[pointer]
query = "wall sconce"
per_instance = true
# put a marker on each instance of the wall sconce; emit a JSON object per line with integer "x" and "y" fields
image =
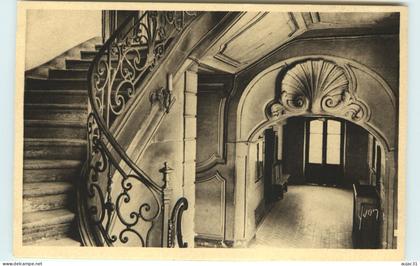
{"x": 162, "y": 95}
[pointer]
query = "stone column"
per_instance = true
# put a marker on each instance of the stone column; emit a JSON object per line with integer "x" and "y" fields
{"x": 189, "y": 151}
{"x": 240, "y": 234}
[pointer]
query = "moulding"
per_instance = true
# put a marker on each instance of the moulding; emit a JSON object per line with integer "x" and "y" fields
{"x": 282, "y": 66}
{"x": 216, "y": 175}
{"x": 219, "y": 156}
{"x": 228, "y": 59}
{"x": 319, "y": 87}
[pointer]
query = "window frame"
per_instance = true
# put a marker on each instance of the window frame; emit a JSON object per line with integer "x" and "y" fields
{"x": 259, "y": 162}
{"x": 324, "y": 140}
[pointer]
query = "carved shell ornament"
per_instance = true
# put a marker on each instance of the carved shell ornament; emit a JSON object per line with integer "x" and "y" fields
{"x": 318, "y": 87}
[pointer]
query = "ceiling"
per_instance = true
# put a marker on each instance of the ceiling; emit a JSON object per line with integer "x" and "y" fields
{"x": 255, "y": 34}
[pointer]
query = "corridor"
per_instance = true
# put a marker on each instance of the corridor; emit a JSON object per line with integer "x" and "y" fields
{"x": 308, "y": 217}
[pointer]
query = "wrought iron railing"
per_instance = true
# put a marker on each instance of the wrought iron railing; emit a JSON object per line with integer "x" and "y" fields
{"x": 122, "y": 204}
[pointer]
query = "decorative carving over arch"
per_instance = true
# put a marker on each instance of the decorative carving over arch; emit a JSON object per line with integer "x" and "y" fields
{"x": 318, "y": 86}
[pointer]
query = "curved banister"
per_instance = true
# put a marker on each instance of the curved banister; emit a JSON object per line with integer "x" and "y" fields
{"x": 175, "y": 224}
{"x": 115, "y": 76}
{"x": 95, "y": 111}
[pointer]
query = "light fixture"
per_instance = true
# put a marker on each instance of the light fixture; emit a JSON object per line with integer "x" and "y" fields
{"x": 163, "y": 95}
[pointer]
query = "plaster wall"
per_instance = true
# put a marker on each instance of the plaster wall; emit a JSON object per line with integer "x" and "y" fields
{"x": 50, "y": 33}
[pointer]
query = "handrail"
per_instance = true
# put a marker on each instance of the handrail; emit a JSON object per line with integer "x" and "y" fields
{"x": 95, "y": 111}
{"x": 175, "y": 228}
{"x": 130, "y": 54}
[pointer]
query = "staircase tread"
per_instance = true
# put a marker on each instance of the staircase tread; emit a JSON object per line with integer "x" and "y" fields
{"x": 52, "y": 91}
{"x": 50, "y": 141}
{"x": 53, "y": 79}
{"x": 72, "y": 70}
{"x": 46, "y": 188}
{"x": 79, "y": 60}
{"x": 55, "y": 122}
{"x": 64, "y": 80}
{"x": 61, "y": 242}
{"x": 50, "y": 217}
{"x": 57, "y": 105}
{"x": 50, "y": 164}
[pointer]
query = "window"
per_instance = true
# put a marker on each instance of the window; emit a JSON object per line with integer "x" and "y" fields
{"x": 333, "y": 142}
{"x": 260, "y": 159}
{"x": 324, "y": 141}
{"x": 315, "y": 141}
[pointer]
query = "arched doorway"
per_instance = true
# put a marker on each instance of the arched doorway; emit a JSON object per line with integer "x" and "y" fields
{"x": 316, "y": 86}
{"x": 318, "y": 211}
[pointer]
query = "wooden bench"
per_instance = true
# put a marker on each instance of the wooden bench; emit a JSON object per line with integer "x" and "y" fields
{"x": 281, "y": 182}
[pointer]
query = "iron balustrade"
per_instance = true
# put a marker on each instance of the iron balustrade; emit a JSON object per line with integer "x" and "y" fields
{"x": 121, "y": 203}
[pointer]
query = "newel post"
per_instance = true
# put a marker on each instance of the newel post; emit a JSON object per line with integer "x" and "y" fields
{"x": 166, "y": 198}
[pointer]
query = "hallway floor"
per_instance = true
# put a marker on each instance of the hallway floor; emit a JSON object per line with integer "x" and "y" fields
{"x": 308, "y": 217}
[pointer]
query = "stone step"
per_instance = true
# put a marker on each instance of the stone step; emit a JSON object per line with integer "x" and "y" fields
{"x": 51, "y": 170}
{"x": 47, "y": 233}
{"x": 62, "y": 112}
{"x": 42, "y": 196}
{"x": 55, "y": 129}
{"x": 78, "y": 64}
{"x": 43, "y": 225}
{"x": 55, "y": 148}
{"x": 55, "y": 84}
{"x": 82, "y": 64}
{"x": 46, "y": 188}
{"x": 67, "y": 74}
{"x": 88, "y": 55}
{"x": 98, "y": 47}
{"x": 49, "y": 202}
{"x": 57, "y": 96}
{"x": 61, "y": 242}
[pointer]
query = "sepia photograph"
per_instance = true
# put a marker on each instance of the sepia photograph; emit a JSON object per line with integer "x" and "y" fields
{"x": 210, "y": 131}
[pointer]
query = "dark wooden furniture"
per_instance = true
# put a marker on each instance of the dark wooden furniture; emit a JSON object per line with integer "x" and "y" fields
{"x": 281, "y": 181}
{"x": 366, "y": 215}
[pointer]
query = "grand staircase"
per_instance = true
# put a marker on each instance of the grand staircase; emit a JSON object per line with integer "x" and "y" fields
{"x": 132, "y": 71}
{"x": 55, "y": 114}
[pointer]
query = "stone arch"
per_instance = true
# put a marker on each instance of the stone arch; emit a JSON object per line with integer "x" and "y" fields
{"x": 355, "y": 105}
{"x": 348, "y": 66}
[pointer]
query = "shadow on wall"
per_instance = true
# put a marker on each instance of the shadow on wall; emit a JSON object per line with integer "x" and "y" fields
{"x": 52, "y": 32}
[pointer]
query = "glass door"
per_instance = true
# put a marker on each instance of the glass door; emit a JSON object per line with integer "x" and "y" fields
{"x": 324, "y": 150}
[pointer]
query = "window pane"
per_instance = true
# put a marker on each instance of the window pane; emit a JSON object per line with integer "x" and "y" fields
{"x": 315, "y": 148}
{"x": 333, "y": 149}
{"x": 316, "y": 126}
{"x": 334, "y": 127}
{"x": 315, "y": 141}
{"x": 259, "y": 152}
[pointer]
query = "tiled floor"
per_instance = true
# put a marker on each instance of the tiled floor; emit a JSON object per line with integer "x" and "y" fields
{"x": 308, "y": 217}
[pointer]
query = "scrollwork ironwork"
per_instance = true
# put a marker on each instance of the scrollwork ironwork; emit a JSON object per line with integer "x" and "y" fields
{"x": 111, "y": 206}
{"x": 129, "y": 55}
{"x": 122, "y": 202}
